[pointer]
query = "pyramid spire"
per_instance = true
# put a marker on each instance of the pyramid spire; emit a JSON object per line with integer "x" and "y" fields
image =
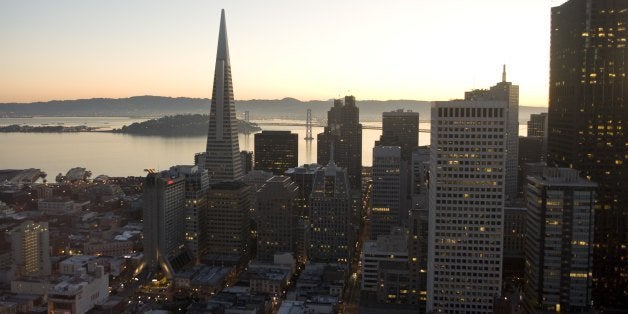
{"x": 223, "y": 161}
{"x": 223, "y": 44}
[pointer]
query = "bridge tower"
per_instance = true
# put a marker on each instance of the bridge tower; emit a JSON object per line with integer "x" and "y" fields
{"x": 308, "y": 126}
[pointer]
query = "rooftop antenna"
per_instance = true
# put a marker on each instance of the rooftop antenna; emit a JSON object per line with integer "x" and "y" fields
{"x": 504, "y": 74}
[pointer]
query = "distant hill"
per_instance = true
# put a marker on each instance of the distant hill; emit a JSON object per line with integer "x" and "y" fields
{"x": 157, "y": 106}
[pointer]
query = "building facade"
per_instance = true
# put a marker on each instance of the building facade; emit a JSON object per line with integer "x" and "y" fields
{"x": 30, "y": 248}
{"x": 163, "y": 220}
{"x": 329, "y": 235}
{"x": 466, "y": 205}
{"x": 400, "y": 128}
{"x": 196, "y": 188}
{"x": 277, "y": 218}
{"x": 508, "y": 92}
{"x": 276, "y": 151}
{"x": 559, "y": 241}
{"x": 344, "y": 133}
{"x": 228, "y": 208}
{"x": 388, "y": 185}
{"x": 586, "y": 125}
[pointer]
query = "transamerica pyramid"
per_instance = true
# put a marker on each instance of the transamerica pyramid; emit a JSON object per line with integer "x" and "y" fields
{"x": 223, "y": 152}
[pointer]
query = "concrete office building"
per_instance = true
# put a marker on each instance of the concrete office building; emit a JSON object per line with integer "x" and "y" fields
{"x": 466, "y": 205}
{"x": 559, "y": 241}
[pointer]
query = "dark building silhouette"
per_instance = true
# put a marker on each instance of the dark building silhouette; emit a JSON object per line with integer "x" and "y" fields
{"x": 537, "y": 125}
{"x": 247, "y": 161}
{"x": 586, "y": 125}
{"x": 530, "y": 151}
{"x": 276, "y": 151}
{"x": 164, "y": 221}
{"x": 228, "y": 208}
{"x": 277, "y": 218}
{"x": 330, "y": 236}
{"x": 344, "y": 131}
{"x": 400, "y": 128}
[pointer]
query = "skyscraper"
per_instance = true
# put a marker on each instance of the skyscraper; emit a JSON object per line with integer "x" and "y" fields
{"x": 400, "y": 128}
{"x": 196, "y": 187}
{"x": 329, "y": 238}
{"x": 30, "y": 248}
{"x": 388, "y": 190}
{"x": 277, "y": 218}
{"x": 559, "y": 241}
{"x": 345, "y": 132}
{"x": 222, "y": 160}
{"x": 164, "y": 221}
{"x": 466, "y": 205}
{"x": 505, "y": 91}
{"x": 587, "y": 125}
{"x": 276, "y": 151}
{"x": 537, "y": 125}
{"x": 229, "y": 206}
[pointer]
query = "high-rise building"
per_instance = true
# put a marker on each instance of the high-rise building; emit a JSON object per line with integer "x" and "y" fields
{"x": 531, "y": 150}
{"x": 559, "y": 241}
{"x": 420, "y": 166}
{"x": 400, "y": 128}
{"x": 276, "y": 151}
{"x": 505, "y": 91}
{"x": 228, "y": 207}
{"x": 304, "y": 177}
{"x": 417, "y": 255}
{"x": 537, "y": 125}
{"x": 277, "y": 218}
{"x": 196, "y": 187}
{"x": 344, "y": 133}
{"x": 247, "y": 161}
{"x": 466, "y": 205}
{"x": 388, "y": 185}
{"x": 30, "y": 248}
{"x": 164, "y": 221}
{"x": 587, "y": 125}
{"x": 222, "y": 159}
{"x": 330, "y": 201}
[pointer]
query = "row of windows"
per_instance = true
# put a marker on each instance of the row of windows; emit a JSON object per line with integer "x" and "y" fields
{"x": 471, "y": 112}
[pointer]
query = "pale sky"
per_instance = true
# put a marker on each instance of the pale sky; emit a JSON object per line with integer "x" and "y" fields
{"x": 395, "y": 49}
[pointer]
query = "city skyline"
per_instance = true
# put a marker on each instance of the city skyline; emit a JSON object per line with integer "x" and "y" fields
{"x": 117, "y": 49}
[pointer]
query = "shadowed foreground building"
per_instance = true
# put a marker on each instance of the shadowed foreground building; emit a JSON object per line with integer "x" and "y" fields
{"x": 559, "y": 241}
{"x": 587, "y": 115}
{"x": 329, "y": 238}
{"x": 164, "y": 221}
{"x": 277, "y": 218}
{"x": 228, "y": 210}
{"x": 388, "y": 186}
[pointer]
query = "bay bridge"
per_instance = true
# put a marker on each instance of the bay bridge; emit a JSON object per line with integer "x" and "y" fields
{"x": 320, "y": 124}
